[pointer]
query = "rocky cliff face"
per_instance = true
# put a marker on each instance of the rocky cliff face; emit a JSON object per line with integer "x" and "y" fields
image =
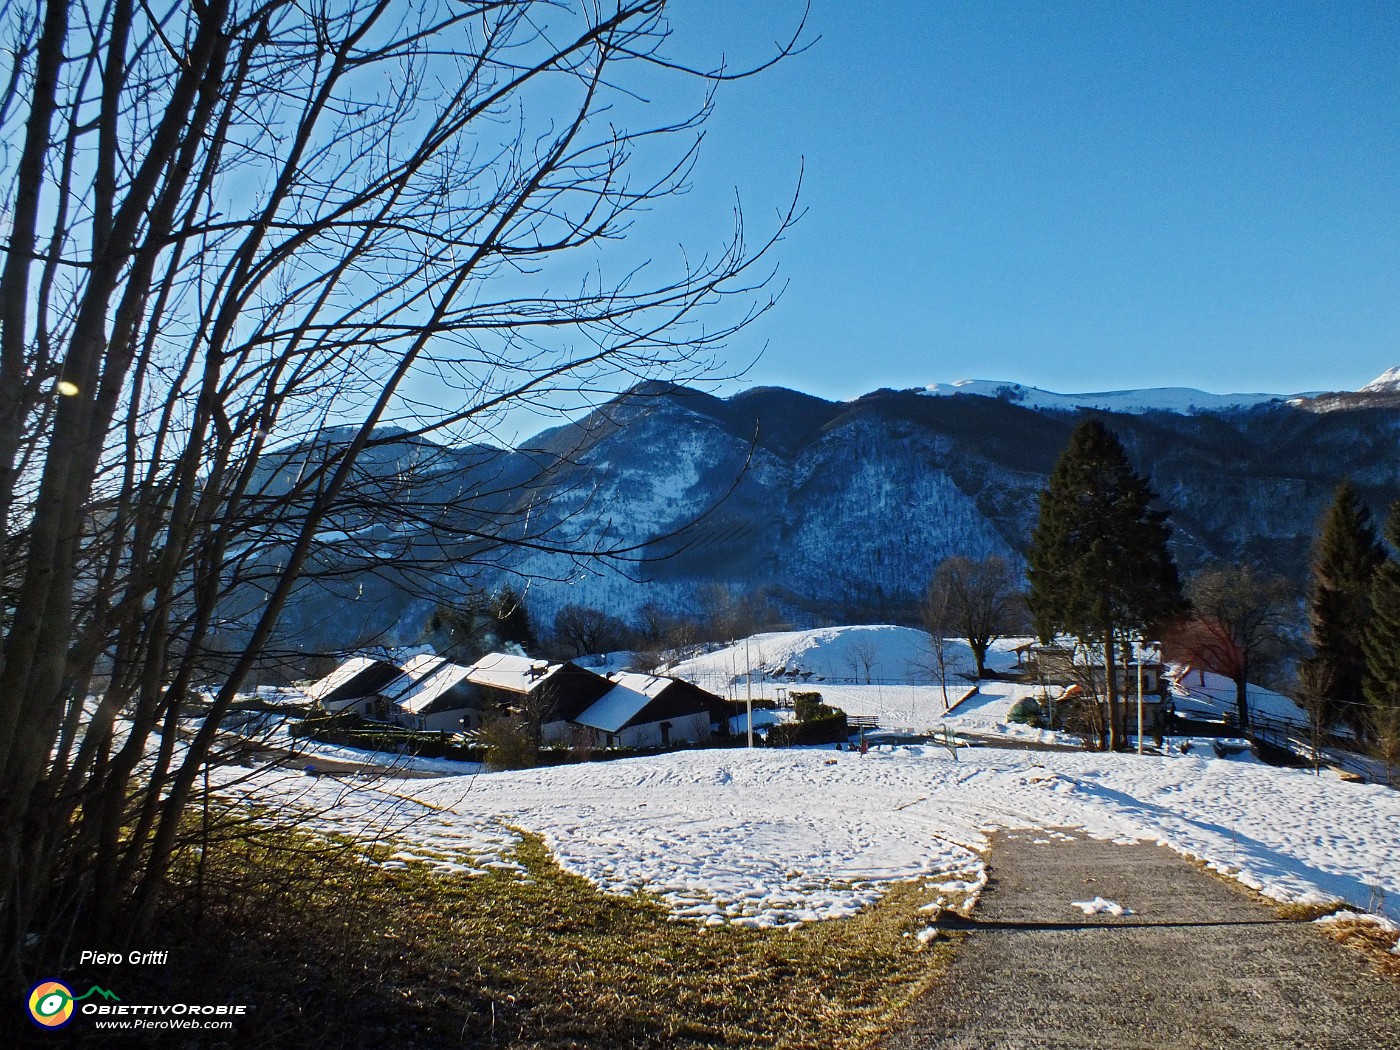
{"x": 841, "y": 511}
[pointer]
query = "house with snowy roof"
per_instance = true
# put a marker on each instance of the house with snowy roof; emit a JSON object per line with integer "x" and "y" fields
{"x": 439, "y": 697}
{"x": 425, "y": 692}
{"x": 554, "y": 694}
{"x": 645, "y": 710}
{"x": 430, "y": 692}
{"x": 360, "y": 683}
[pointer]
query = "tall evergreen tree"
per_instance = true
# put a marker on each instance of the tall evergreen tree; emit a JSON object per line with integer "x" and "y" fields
{"x": 1345, "y": 559}
{"x": 1099, "y": 567}
{"x": 1381, "y": 647}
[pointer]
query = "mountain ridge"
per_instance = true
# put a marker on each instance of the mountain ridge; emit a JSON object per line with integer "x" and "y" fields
{"x": 841, "y": 509}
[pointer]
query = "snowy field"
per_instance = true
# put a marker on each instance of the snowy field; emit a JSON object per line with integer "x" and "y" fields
{"x": 769, "y": 838}
{"x": 880, "y": 671}
{"x": 777, "y": 837}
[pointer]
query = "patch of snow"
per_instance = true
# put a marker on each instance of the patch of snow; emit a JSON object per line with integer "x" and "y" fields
{"x": 1099, "y": 905}
{"x": 768, "y": 838}
{"x": 771, "y": 839}
{"x": 1347, "y": 915}
{"x": 1205, "y": 694}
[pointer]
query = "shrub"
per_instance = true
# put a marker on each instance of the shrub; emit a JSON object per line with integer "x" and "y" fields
{"x": 808, "y": 705}
{"x": 1027, "y": 712}
{"x": 828, "y": 728}
{"x": 509, "y": 745}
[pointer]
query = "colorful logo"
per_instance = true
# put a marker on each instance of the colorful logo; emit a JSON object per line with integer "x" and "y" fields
{"x": 51, "y": 1002}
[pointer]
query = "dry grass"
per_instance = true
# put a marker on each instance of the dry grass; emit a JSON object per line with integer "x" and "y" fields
{"x": 1366, "y": 937}
{"x": 1375, "y": 943}
{"x": 334, "y": 951}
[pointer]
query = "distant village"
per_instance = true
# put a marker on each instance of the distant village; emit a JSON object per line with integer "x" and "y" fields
{"x": 569, "y": 704}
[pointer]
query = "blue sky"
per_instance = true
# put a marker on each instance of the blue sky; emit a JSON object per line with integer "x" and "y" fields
{"x": 1079, "y": 196}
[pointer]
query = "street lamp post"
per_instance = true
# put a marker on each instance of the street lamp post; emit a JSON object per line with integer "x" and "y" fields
{"x": 1141, "y": 644}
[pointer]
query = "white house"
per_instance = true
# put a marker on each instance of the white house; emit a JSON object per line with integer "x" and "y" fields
{"x": 438, "y": 697}
{"x": 643, "y": 710}
{"x": 361, "y": 683}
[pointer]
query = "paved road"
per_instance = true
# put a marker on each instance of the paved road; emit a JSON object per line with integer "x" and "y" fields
{"x": 1198, "y": 964}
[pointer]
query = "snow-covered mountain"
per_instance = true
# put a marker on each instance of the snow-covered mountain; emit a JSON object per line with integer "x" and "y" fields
{"x": 839, "y": 511}
{"x": 1154, "y": 399}
{"x": 1388, "y": 382}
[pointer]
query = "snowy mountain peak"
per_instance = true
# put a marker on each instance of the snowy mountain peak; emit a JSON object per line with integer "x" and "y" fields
{"x": 1177, "y": 399}
{"x": 1388, "y": 382}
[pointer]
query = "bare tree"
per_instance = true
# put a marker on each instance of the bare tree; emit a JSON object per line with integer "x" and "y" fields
{"x": 937, "y": 615}
{"x": 1238, "y": 625}
{"x": 239, "y": 223}
{"x": 864, "y": 654}
{"x": 579, "y": 630}
{"x": 1314, "y": 691}
{"x": 983, "y": 600}
{"x": 728, "y": 612}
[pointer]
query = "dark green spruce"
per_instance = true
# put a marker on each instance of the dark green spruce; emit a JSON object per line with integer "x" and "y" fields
{"x": 1345, "y": 560}
{"x": 1099, "y": 567}
{"x": 1381, "y": 647}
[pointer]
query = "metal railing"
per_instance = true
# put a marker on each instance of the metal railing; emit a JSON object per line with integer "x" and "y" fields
{"x": 1297, "y": 738}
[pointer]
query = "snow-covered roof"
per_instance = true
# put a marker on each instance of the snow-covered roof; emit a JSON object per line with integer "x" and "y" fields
{"x": 516, "y": 674}
{"x": 342, "y": 674}
{"x": 352, "y": 669}
{"x": 434, "y": 676}
{"x": 614, "y": 709}
{"x": 648, "y": 685}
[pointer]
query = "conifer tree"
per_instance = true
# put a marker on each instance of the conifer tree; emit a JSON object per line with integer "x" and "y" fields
{"x": 1099, "y": 567}
{"x": 1345, "y": 559}
{"x": 1381, "y": 647}
{"x": 512, "y": 619}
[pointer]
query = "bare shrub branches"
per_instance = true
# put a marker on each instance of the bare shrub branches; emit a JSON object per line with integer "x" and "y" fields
{"x": 244, "y": 238}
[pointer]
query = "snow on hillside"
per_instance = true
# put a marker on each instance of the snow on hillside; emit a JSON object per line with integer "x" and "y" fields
{"x": 879, "y": 671}
{"x": 1387, "y": 382}
{"x": 777, "y": 837}
{"x": 816, "y": 658}
{"x": 1178, "y": 399}
{"x": 770, "y": 838}
{"x": 1198, "y": 693}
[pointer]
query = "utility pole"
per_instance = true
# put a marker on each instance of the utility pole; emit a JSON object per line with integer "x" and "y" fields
{"x": 748, "y": 681}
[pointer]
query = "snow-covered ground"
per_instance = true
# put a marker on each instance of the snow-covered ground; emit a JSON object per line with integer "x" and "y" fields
{"x": 880, "y": 671}
{"x": 817, "y": 658}
{"x": 776, "y": 837}
{"x": 1205, "y": 694}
